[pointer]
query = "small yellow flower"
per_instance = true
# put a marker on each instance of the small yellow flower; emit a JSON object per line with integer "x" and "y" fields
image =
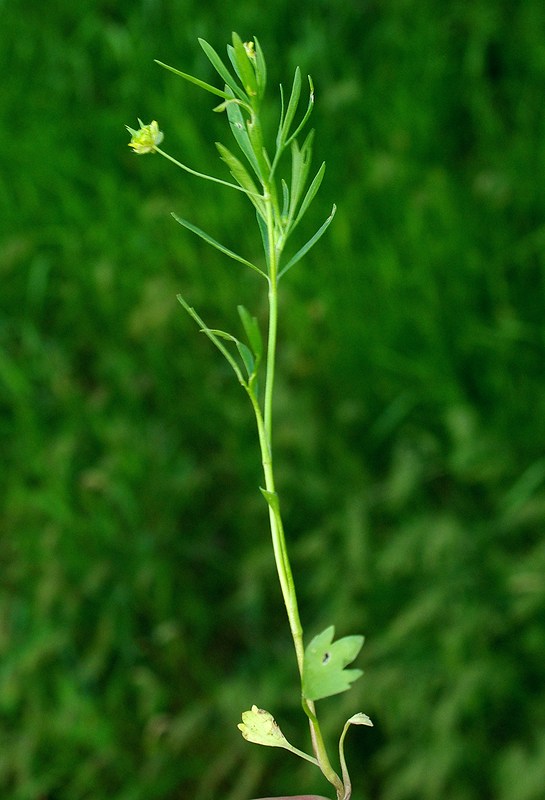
{"x": 146, "y": 139}
{"x": 250, "y": 49}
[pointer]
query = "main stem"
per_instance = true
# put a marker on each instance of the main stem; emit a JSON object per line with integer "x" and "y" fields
{"x": 264, "y": 427}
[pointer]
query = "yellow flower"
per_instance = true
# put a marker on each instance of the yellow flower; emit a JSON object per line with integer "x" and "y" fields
{"x": 146, "y": 139}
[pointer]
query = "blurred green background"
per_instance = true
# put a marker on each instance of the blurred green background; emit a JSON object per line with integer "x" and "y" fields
{"x": 139, "y": 613}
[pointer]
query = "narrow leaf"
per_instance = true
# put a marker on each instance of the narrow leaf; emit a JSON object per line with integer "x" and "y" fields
{"x": 223, "y": 334}
{"x": 292, "y": 106}
{"x": 244, "y": 351}
{"x": 217, "y": 245}
{"x": 247, "y": 357}
{"x": 260, "y": 69}
{"x": 245, "y": 68}
{"x": 196, "y": 81}
{"x": 238, "y": 128}
{"x": 308, "y": 112}
{"x": 256, "y": 142}
{"x": 296, "y": 174}
{"x": 214, "y": 337}
{"x": 252, "y": 330}
{"x": 241, "y": 175}
{"x": 281, "y": 123}
{"x": 264, "y": 236}
{"x": 311, "y": 193}
{"x": 311, "y": 242}
{"x": 285, "y": 199}
{"x": 237, "y": 168}
{"x": 221, "y": 69}
{"x": 300, "y": 165}
{"x": 324, "y": 672}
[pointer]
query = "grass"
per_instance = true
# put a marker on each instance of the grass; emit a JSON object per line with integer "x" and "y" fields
{"x": 417, "y": 421}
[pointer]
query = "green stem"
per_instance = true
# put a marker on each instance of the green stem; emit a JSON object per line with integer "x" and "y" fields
{"x": 273, "y": 319}
{"x": 264, "y": 427}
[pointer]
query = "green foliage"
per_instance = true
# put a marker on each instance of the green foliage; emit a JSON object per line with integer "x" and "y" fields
{"x": 133, "y": 613}
{"x": 325, "y": 661}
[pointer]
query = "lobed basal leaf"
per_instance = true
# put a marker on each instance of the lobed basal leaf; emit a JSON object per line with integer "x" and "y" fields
{"x": 324, "y": 672}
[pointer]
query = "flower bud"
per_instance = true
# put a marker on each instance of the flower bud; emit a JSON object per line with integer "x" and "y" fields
{"x": 146, "y": 139}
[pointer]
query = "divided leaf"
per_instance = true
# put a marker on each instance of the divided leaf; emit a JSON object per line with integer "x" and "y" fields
{"x": 324, "y": 672}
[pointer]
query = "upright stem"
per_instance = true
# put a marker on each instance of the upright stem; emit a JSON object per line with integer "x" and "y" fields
{"x": 264, "y": 427}
{"x": 273, "y": 319}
